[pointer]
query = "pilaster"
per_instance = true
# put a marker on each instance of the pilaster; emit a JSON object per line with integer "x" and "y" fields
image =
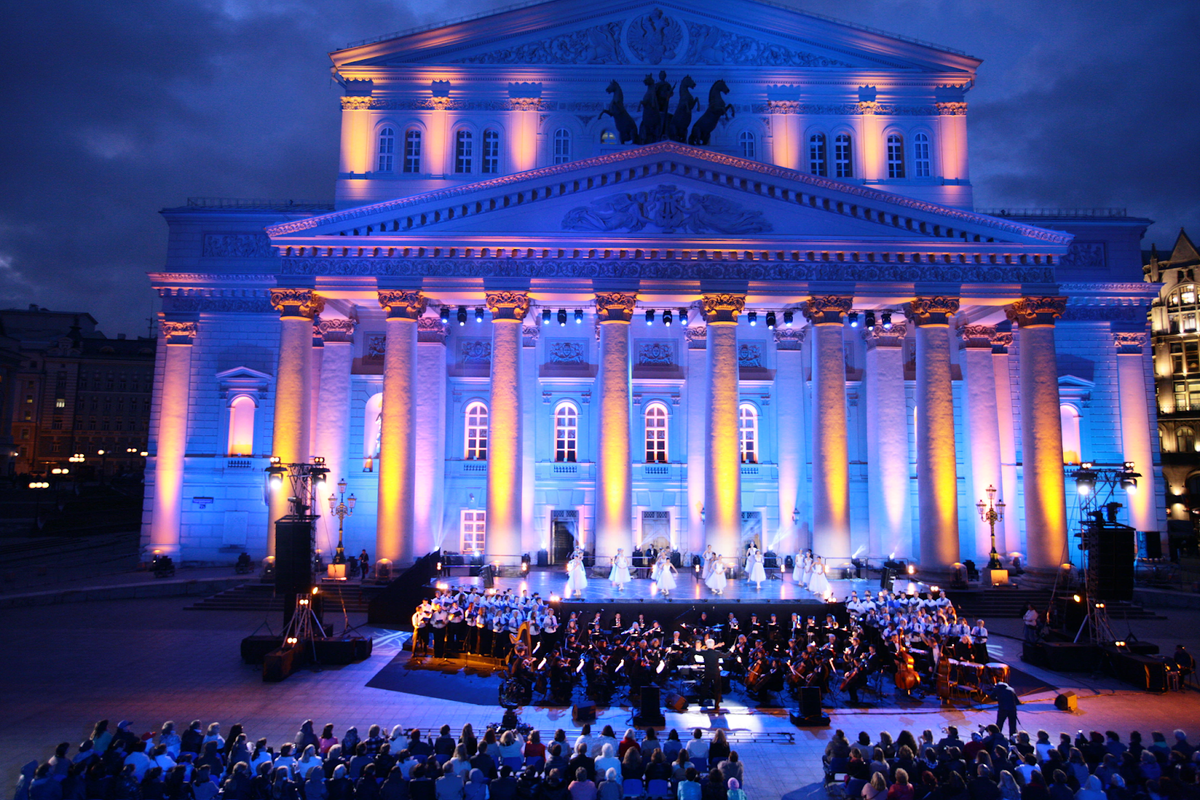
{"x": 504, "y": 487}
{"x": 171, "y": 450}
{"x": 831, "y": 457}
{"x": 614, "y": 469}
{"x": 723, "y": 465}
{"x": 887, "y": 443}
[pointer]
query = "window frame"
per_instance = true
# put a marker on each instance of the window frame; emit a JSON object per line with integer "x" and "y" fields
{"x": 748, "y": 435}
{"x": 385, "y": 149}
{"x": 566, "y": 433}
{"x": 476, "y": 432}
{"x": 472, "y": 530}
{"x": 464, "y": 151}
{"x": 818, "y": 161}
{"x": 747, "y": 137}
{"x": 489, "y": 162}
{"x": 656, "y": 435}
{"x": 560, "y": 145}
{"x": 843, "y": 167}
{"x": 894, "y": 149}
{"x": 922, "y": 155}
{"x": 414, "y": 146}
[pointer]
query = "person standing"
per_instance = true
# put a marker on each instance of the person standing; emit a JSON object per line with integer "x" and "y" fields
{"x": 1006, "y": 708}
{"x": 819, "y": 584}
{"x": 754, "y": 566}
{"x": 664, "y": 573}
{"x": 712, "y": 670}
{"x": 364, "y": 564}
{"x": 619, "y": 574}
{"x": 715, "y": 573}
{"x": 1031, "y": 623}
{"x": 576, "y": 575}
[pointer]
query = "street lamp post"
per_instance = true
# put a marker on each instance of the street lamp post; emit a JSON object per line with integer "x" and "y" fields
{"x": 103, "y": 463}
{"x": 992, "y": 512}
{"x": 341, "y": 507}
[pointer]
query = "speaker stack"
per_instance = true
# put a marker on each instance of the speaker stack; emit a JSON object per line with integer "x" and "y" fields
{"x": 583, "y": 712}
{"x": 1113, "y": 560}
{"x": 1067, "y": 701}
{"x": 809, "y": 715}
{"x": 650, "y": 713}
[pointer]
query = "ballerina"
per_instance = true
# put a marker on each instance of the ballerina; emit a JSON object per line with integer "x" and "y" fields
{"x": 716, "y": 574}
{"x": 576, "y": 575}
{"x": 754, "y": 560}
{"x": 819, "y": 585}
{"x": 664, "y": 573}
{"x": 808, "y": 569}
{"x": 798, "y": 569}
{"x": 619, "y": 574}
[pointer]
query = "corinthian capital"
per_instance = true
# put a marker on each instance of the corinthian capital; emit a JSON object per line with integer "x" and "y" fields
{"x": 1129, "y": 344}
{"x": 508, "y": 305}
{"x": 1033, "y": 311}
{"x": 297, "y": 302}
{"x": 879, "y": 337}
{"x": 977, "y": 337}
{"x": 723, "y": 307}
{"x": 827, "y": 309}
{"x": 615, "y": 306}
{"x": 178, "y": 332}
{"x": 336, "y": 330}
{"x": 790, "y": 338}
{"x": 931, "y": 310}
{"x": 402, "y": 303}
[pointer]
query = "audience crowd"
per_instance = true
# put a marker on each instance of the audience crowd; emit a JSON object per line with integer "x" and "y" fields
{"x": 509, "y": 762}
{"x": 990, "y": 766}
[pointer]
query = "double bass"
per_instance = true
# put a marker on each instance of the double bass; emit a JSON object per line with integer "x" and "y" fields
{"x": 907, "y": 677}
{"x": 756, "y": 676}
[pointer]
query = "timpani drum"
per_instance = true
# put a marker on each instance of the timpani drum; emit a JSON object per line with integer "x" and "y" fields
{"x": 996, "y": 672}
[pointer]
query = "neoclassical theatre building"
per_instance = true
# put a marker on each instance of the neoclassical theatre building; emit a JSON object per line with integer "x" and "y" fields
{"x": 679, "y": 273}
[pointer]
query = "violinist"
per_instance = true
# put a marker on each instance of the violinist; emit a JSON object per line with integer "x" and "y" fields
{"x": 859, "y": 672}
{"x": 732, "y": 630}
{"x": 774, "y": 638}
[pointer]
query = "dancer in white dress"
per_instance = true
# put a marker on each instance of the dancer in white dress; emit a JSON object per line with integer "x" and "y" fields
{"x": 808, "y": 569}
{"x": 619, "y": 574}
{"x": 754, "y": 562}
{"x": 798, "y": 568}
{"x": 819, "y": 585}
{"x": 664, "y": 573}
{"x": 716, "y": 573}
{"x": 576, "y": 575}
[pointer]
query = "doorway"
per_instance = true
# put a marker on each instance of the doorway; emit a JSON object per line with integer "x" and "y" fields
{"x": 563, "y": 525}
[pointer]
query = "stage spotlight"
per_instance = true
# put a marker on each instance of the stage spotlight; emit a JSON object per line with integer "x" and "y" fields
{"x": 649, "y": 316}
{"x": 770, "y": 320}
{"x": 1085, "y": 481}
{"x": 562, "y": 317}
{"x": 462, "y": 315}
{"x": 445, "y": 314}
{"x": 871, "y": 320}
{"x": 1128, "y": 477}
{"x": 579, "y": 316}
{"x": 853, "y": 318}
{"x": 546, "y": 314}
{"x": 787, "y": 318}
{"x": 752, "y": 317}
{"x": 886, "y": 316}
{"x": 479, "y": 313}
{"x": 683, "y": 317}
{"x": 667, "y": 318}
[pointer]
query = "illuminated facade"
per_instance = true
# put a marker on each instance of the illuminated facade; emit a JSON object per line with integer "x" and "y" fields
{"x": 513, "y": 332}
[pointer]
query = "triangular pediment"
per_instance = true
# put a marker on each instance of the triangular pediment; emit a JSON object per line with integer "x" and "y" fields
{"x": 733, "y": 33}
{"x": 664, "y": 193}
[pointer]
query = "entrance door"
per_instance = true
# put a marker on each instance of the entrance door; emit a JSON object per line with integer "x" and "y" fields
{"x": 562, "y": 539}
{"x": 656, "y": 529}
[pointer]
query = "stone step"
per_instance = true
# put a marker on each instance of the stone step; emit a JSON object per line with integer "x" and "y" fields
{"x": 257, "y": 596}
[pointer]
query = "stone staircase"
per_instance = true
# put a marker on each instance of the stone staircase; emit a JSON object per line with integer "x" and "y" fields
{"x": 1005, "y": 602}
{"x": 257, "y": 596}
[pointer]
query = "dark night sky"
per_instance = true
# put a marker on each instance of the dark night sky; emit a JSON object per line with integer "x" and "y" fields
{"x": 117, "y": 109}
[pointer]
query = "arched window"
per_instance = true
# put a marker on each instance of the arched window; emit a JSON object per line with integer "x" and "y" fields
{"x": 921, "y": 155}
{"x": 464, "y": 152}
{"x": 748, "y": 433}
{"x": 562, "y": 146}
{"x": 608, "y": 137}
{"x": 387, "y": 146}
{"x": 1072, "y": 449}
{"x": 1185, "y": 440}
{"x": 241, "y": 426}
{"x": 656, "y": 433}
{"x": 566, "y": 433}
{"x": 491, "y": 152}
{"x": 843, "y": 156}
{"x": 895, "y": 155}
{"x": 816, "y": 154}
{"x": 748, "y": 144}
{"x": 412, "y": 151}
{"x": 475, "y": 432}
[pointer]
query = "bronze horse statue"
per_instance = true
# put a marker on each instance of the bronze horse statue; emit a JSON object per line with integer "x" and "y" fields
{"x": 716, "y": 111}
{"x": 652, "y": 119}
{"x": 627, "y": 130}
{"x": 681, "y": 120}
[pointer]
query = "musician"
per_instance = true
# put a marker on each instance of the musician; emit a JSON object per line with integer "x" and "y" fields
{"x": 732, "y": 630}
{"x": 438, "y": 621}
{"x": 420, "y": 623}
{"x": 979, "y": 635}
{"x": 859, "y": 673}
{"x": 774, "y": 636}
{"x": 712, "y": 669}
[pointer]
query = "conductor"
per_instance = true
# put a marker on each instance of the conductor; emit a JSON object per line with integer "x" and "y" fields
{"x": 712, "y": 670}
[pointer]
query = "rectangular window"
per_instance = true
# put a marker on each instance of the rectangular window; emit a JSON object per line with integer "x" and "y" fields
{"x": 816, "y": 154}
{"x": 464, "y": 154}
{"x": 491, "y": 152}
{"x": 412, "y": 151}
{"x": 60, "y": 402}
{"x": 472, "y": 531}
{"x": 56, "y": 424}
{"x": 895, "y": 157}
{"x": 843, "y": 157}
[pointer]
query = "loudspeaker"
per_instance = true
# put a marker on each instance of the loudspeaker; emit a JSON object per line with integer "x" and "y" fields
{"x": 1113, "y": 561}
{"x": 1067, "y": 701}
{"x": 1153, "y": 544}
{"x": 886, "y": 579}
{"x": 810, "y": 701}
{"x": 676, "y": 702}
{"x": 583, "y": 712}
{"x": 650, "y": 713}
{"x": 293, "y": 555}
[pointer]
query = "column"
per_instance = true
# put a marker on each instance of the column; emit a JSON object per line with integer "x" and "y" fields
{"x": 395, "y": 523}
{"x": 614, "y": 464}
{"x": 171, "y": 437}
{"x": 983, "y": 437}
{"x": 290, "y": 439}
{"x": 524, "y": 103}
{"x": 723, "y": 458}
{"x": 696, "y": 335}
{"x": 793, "y": 534}
{"x": 531, "y": 540}
{"x": 1135, "y": 430}
{"x": 887, "y": 444}
{"x": 937, "y": 476}
{"x": 508, "y": 310}
{"x": 333, "y": 424}
{"x": 317, "y": 355}
{"x": 1041, "y": 430}
{"x": 831, "y": 458}
{"x": 430, "y": 426}
{"x": 1010, "y": 540}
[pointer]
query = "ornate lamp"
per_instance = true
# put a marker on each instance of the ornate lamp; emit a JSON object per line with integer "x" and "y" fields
{"x": 992, "y": 512}
{"x": 341, "y": 507}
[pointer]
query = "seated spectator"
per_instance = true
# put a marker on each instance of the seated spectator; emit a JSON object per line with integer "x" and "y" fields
{"x": 340, "y": 787}
{"x": 732, "y": 768}
{"x": 901, "y": 789}
{"x": 876, "y": 788}
{"x": 650, "y": 743}
{"x": 1116, "y": 789}
{"x": 1107, "y": 768}
{"x": 1078, "y": 768}
{"x": 981, "y": 786}
{"x": 534, "y": 747}
{"x": 712, "y": 787}
{"x": 657, "y": 769}
{"x": 679, "y": 768}
{"x": 582, "y": 787}
{"x": 1059, "y": 788}
{"x": 529, "y": 785}
{"x": 1158, "y": 746}
{"x": 483, "y": 761}
{"x": 204, "y": 788}
{"x": 350, "y": 742}
{"x": 504, "y": 787}
{"x": 44, "y": 786}
{"x": 420, "y": 786}
{"x": 1092, "y": 790}
{"x": 672, "y": 746}
{"x": 358, "y": 762}
{"x": 610, "y": 787}
{"x": 1026, "y": 769}
{"x": 460, "y": 762}
{"x": 838, "y": 750}
{"x": 927, "y": 788}
{"x": 631, "y": 765}
{"x": 557, "y": 760}
{"x": 582, "y": 761}
{"x": 697, "y": 747}
{"x": 1035, "y": 788}
{"x": 607, "y": 736}
{"x": 394, "y": 787}
{"x": 1151, "y": 771}
{"x": 735, "y": 791}
{"x": 608, "y": 760}
{"x": 510, "y": 746}
{"x": 879, "y": 765}
{"x": 718, "y": 749}
{"x": 1181, "y": 745}
{"x": 327, "y": 740}
{"x": 213, "y": 734}
{"x": 308, "y": 760}
{"x": 1043, "y": 747}
{"x": 554, "y": 787}
{"x": 367, "y": 787}
{"x": 905, "y": 760}
{"x": 627, "y": 742}
{"x": 1009, "y": 790}
{"x": 211, "y": 758}
{"x": 170, "y": 739}
{"x": 237, "y": 785}
{"x": 449, "y": 786}
{"x": 954, "y": 788}
{"x": 689, "y": 787}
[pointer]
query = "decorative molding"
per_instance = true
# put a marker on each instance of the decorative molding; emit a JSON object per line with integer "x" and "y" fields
{"x": 667, "y": 209}
{"x": 783, "y": 107}
{"x": 827, "y": 309}
{"x": 750, "y": 355}
{"x": 867, "y": 107}
{"x": 290, "y": 302}
{"x": 723, "y": 307}
{"x": 1085, "y": 255}
{"x": 596, "y": 45}
{"x": 236, "y": 245}
{"x": 530, "y": 335}
{"x": 977, "y": 337}
{"x": 885, "y": 338}
{"x": 710, "y": 45}
{"x": 259, "y": 303}
{"x": 431, "y": 329}
{"x": 337, "y": 330}
{"x": 566, "y": 352}
{"x": 403, "y": 303}
{"x": 1001, "y": 342}
{"x": 696, "y": 335}
{"x": 474, "y": 352}
{"x": 508, "y": 305}
{"x": 958, "y": 109}
{"x": 524, "y": 103}
{"x": 1129, "y": 343}
{"x": 357, "y": 103}
{"x": 790, "y": 338}
{"x": 656, "y": 354}
{"x": 615, "y": 306}
{"x": 375, "y": 348}
{"x": 174, "y": 332}
{"x": 1031, "y": 311}
{"x": 655, "y": 38}
{"x": 922, "y": 311}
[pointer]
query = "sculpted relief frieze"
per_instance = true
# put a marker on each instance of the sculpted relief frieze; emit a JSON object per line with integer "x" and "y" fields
{"x": 571, "y": 352}
{"x": 236, "y": 245}
{"x": 656, "y": 354}
{"x": 1084, "y": 255}
{"x": 666, "y": 209}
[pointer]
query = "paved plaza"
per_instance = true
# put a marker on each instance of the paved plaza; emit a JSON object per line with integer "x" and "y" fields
{"x": 149, "y": 660}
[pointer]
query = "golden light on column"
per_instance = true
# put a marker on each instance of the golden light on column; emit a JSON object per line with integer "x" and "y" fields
{"x": 887, "y": 442}
{"x": 937, "y": 477}
{"x": 503, "y": 541}
{"x": 297, "y": 308}
{"x": 1135, "y": 429}
{"x": 171, "y": 447}
{"x": 524, "y": 119}
{"x": 831, "y": 460}
{"x": 396, "y": 519}
{"x": 1041, "y": 429}
{"x": 723, "y": 463}
{"x": 614, "y": 479}
{"x": 982, "y": 427}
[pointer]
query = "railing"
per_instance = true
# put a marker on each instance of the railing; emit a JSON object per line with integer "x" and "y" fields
{"x": 239, "y": 463}
{"x": 1075, "y": 213}
{"x": 255, "y": 202}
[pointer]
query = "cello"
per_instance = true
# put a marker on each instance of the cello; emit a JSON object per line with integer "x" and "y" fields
{"x": 907, "y": 677}
{"x": 756, "y": 675}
